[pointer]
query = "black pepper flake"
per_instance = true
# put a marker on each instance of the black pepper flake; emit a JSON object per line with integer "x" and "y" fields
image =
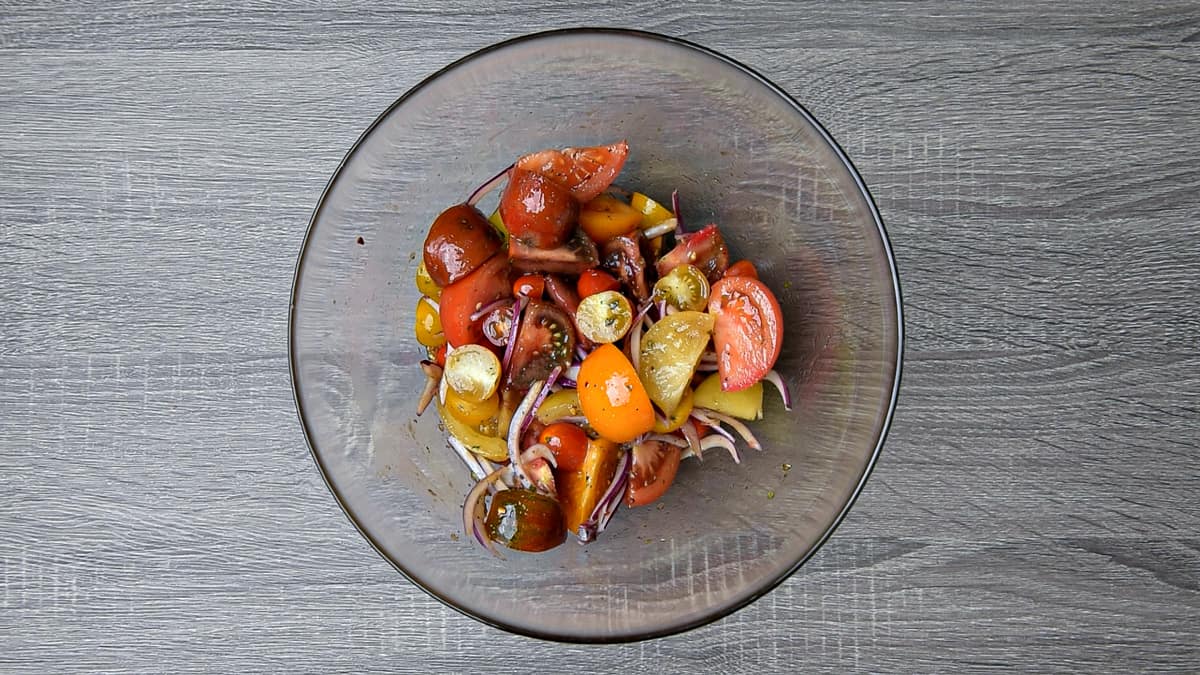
{"x": 361, "y": 241}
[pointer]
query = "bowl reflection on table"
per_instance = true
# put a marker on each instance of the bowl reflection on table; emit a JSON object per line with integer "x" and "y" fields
{"x": 742, "y": 155}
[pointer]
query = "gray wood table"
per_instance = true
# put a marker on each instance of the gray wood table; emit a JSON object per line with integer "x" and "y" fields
{"x": 1038, "y": 502}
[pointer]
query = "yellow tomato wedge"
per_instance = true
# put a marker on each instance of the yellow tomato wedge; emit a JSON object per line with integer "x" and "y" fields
{"x": 428, "y": 325}
{"x": 652, "y": 212}
{"x": 426, "y": 284}
{"x": 471, "y": 412}
{"x": 670, "y": 351}
{"x": 491, "y": 447}
{"x": 682, "y": 411}
{"x": 580, "y": 491}
{"x": 744, "y": 403}
{"x": 612, "y": 397}
{"x": 560, "y": 404}
{"x": 606, "y": 217}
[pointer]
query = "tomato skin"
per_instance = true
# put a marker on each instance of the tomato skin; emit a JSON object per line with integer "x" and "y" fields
{"x": 585, "y": 172}
{"x": 748, "y": 332}
{"x": 569, "y": 444}
{"x": 592, "y": 282}
{"x": 612, "y": 397}
{"x": 459, "y": 241}
{"x": 705, "y": 249}
{"x": 461, "y": 299}
{"x": 531, "y": 286}
{"x": 537, "y": 211}
{"x": 742, "y": 268}
{"x": 597, "y": 167}
{"x": 655, "y": 464}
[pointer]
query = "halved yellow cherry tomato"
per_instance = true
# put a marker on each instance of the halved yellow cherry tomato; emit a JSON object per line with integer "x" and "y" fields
{"x": 428, "y": 325}
{"x": 472, "y": 412}
{"x": 426, "y": 284}
{"x": 606, "y": 217}
{"x": 652, "y": 212}
{"x": 473, "y": 371}
{"x": 604, "y": 317}
{"x": 684, "y": 287}
{"x": 612, "y": 397}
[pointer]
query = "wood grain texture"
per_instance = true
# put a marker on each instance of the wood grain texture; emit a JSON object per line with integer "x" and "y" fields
{"x": 1035, "y": 507}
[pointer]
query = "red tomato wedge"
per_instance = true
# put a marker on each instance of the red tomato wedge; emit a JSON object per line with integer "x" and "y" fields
{"x": 586, "y": 172}
{"x": 748, "y": 332}
{"x": 654, "y": 467}
{"x": 464, "y": 297}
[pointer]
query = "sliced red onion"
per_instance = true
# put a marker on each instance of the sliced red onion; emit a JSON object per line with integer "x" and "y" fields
{"x": 774, "y": 378}
{"x": 660, "y": 229}
{"x": 635, "y": 345}
{"x": 568, "y": 383}
{"x": 496, "y": 326}
{"x": 704, "y": 367}
{"x": 591, "y": 526}
{"x": 487, "y": 187}
{"x": 708, "y": 357}
{"x": 642, "y": 311}
{"x": 573, "y": 419}
{"x": 474, "y": 514}
{"x": 539, "y": 450}
{"x": 580, "y": 352}
{"x": 537, "y": 402}
{"x": 737, "y": 425}
{"x": 432, "y": 303}
{"x": 488, "y": 309}
{"x": 693, "y": 439}
{"x": 715, "y": 424}
{"x": 715, "y": 441}
{"x": 668, "y": 438}
{"x": 662, "y": 309}
{"x": 573, "y": 371}
{"x": 678, "y": 215}
{"x": 517, "y": 308}
{"x": 468, "y": 458}
{"x": 517, "y": 427}
{"x": 433, "y": 379}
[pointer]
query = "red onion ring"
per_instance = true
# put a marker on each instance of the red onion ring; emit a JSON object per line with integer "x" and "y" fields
{"x": 487, "y": 187}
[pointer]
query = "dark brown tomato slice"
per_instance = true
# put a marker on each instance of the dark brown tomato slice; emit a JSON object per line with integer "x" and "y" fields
{"x": 546, "y": 339}
{"x": 622, "y": 256}
{"x": 525, "y": 521}
{"x": 573, "y": 257}
{"x": 655, "y": 464}
{"x": 488, "y": 283}
{"x": 538, "y": 212}
{"x": 459, "y": 241}
{"x": 705, "y": 249}
{"x": 748, "y": 331}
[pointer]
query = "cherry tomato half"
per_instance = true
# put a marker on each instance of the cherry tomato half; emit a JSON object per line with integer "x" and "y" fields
{"x": 459, "y": 241}
{"x": 606, "y": 217}
{"x": 569, "y": 444}
{"x": 748, "y": 331}
{"x": 655, "y": 464}
{"x": 531, "y": 286}
{"x": 592, "y": 282}
{"x": 525, "y": 520}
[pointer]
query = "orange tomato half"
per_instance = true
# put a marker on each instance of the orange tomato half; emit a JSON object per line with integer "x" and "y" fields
{"x": 612, "y": 397}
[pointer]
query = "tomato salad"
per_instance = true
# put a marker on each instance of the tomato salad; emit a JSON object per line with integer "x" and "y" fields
{"x": 582, "y": 343}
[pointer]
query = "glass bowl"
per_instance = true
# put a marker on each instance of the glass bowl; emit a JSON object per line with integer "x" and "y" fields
{"x": 742, "y": 154}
